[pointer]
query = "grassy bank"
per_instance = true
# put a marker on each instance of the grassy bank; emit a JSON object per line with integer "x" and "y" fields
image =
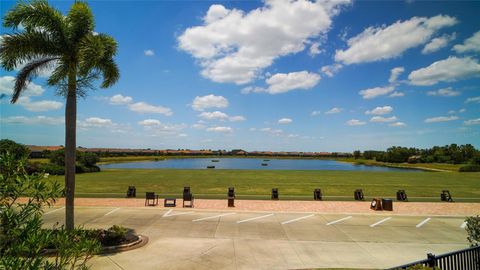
{"x": 256, "y": 184}
{"x": 423, "y": 166}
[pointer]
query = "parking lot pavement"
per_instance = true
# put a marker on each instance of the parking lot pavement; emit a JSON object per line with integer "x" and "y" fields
{"x": 200, "y": 239}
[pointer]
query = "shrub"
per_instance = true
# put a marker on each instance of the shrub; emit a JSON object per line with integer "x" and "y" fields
{"x": 22, "y": 239}
{"x": 15, "y": 149}
{"x": 470, "y": 168}
{"x": 51, "y": 168}
{"x": 473, "y": 230}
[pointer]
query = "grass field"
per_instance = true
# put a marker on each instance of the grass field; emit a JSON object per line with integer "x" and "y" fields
{"x": 256, "y": 184}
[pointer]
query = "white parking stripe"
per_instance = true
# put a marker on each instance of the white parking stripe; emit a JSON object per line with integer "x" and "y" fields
{"x": 340, "y": 220}
{"x": 423, "y": 222}
{"x": 222, "y": 215}
{"x": 380, "y": 222}
{"x": 54, "y": 210}
{"x": 297, "y": 219}
{"x": 177, "y": 214}
{"x": 464, "y": 224}
{"x": 114, "y": 210}
{"x": 168, "y": 212}
{"x": 250, "y": 219}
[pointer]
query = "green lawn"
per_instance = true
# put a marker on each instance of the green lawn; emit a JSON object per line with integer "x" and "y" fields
{"x": 292, "y": 184}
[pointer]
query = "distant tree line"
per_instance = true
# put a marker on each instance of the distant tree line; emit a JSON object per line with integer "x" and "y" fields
{"x": 452, "y": 154}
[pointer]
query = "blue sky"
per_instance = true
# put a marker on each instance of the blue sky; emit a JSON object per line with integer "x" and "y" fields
{"x": 273, "y": 75}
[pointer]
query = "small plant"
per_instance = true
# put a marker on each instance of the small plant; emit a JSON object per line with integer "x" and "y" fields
{"x": 473, "y": 230}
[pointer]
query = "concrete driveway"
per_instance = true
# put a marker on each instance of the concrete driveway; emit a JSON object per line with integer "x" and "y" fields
{"x": 204, "y": 239}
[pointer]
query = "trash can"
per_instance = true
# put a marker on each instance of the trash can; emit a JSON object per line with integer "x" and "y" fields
{"x": 387, "y": 204}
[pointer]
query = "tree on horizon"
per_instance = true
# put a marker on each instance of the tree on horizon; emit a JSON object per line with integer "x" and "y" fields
{"x": 78, "y": 56}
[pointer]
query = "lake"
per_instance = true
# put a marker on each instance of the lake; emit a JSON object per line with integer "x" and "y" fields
{"x": 250, "y": 164}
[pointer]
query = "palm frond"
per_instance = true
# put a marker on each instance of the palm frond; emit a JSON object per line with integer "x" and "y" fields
{"x": 110, "y": 72}
{"x": 80, "y": 21}
{"x": 21, "y": 47}
{"x": 59, "y": 74}
{"x": 29, "y": 71}
{"x": 37, "y": 14}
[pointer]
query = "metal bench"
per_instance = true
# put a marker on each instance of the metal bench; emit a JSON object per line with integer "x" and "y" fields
{"x": 150, "y": 196}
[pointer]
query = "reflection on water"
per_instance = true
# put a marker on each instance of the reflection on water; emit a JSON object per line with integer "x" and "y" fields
{"x": 250, "y": 164}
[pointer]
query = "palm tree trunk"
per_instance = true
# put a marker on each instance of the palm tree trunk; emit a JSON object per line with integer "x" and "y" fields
{"x": 70, "y": 149}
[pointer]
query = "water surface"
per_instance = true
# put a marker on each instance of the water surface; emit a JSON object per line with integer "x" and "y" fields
{"x": 250, "y": 164}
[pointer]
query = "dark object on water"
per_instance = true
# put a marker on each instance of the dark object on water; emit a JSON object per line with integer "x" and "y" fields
{"x": 387, "y": 204}
{"x": 187, "y": 197}
{"x": 274, "y": 193}
{"x": 210, "y": 167}
{"x": 264, "y": 164}
{"x": 402, "y": 195}
{"x": 150, "y": 196}
{"x": 231, "y": 197}
{"x": 317, "y": 194}
{"x": 358, "y": 195}
{"x": 215, "y": 160}
{"x": 445, "y": 196}
{"x": 376, "y": 204}
{"x": 131, "y": 192}
{"x": 266, "y": 160}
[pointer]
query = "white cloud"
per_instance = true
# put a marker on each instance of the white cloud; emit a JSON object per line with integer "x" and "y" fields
{"x": 386, "y": 42}
{"x": 285, "y": 121}
{"x": 149, "y": 122}
{"x": 441, "y": 119}
{"x": 142, "y": 107}
{"x": 397, "y": 94}
{"x": 315, "y": 49}
{"x": 331, "y": 70}
{"x": 459, "y": 111}
{"x": 95, "y": 122}
{"x": 381, "y": 119}
{"x": 235, "y": 46}
{"x": 315, "y": 113}
{"x": 120, "y": 100}
{"x": 209, "y": 101}
{"x": 157, "y": 128}
{"x": 444, "y": 92}
{"x": 199, "y": 126}
{"x": 355, "y": 122}
{"x": 334, "y": 110}
{"x": 376, "y": 92}
{"x": 394, "y": 73}
{"x": 7, "y": 84}
{"x": 182, "y": 135}
{"x": 149, "y": 53}
{"x": 252, "y": 89}
{"x": 272, "y": 131}
{"x": 380, "y": 110}
{"x": 38, "y": 106}
{"x": 438, "y": 43}
{"x": 472, "y": 122}
{"x": 398, "y": 124}
{"x": 220, "y": 129}
{"x": 284, "y": 82}
{"x": 237, "y": 118}
{"x": 34, "y": 120}
{"x": 216, "y": 115}
{"x": 473, "y": 100}
{"x": 221, "y": 116}
{"x": 472, "y": 44}
{"x": 447, "y": 70}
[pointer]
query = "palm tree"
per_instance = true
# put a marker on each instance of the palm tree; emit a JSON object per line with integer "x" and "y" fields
{"x": 77, "y": 55}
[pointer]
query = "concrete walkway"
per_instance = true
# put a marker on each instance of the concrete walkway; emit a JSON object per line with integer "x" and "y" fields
{"x": 232, "y": 239}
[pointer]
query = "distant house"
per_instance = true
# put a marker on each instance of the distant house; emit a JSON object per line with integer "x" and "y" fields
{"x": 39, "y": 151}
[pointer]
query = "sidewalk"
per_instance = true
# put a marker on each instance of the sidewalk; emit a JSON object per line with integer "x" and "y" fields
{"x": 400, "y": 208}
